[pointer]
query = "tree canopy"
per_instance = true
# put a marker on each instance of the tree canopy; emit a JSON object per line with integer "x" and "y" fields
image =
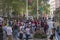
{"x": 19, "y": 6}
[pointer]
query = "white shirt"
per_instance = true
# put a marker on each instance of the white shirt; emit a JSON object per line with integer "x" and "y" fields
{"x": 9, "y": 30}
{"x": 27, "y": 30}
{"x": 5, "y": 28}
{"x": 1, "y": 20}
{"x": 50, "y": 24}
{"x": 21, "y": 29}
{"x": 33, "y": 24}
{"x": 29, "y": 22}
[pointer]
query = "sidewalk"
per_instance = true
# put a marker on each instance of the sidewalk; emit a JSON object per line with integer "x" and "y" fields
{"x": 35, "y": 39}
{"x": 39, "y": 39}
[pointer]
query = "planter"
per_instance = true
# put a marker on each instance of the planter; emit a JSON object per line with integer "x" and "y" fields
{"x": 40, "y": 36}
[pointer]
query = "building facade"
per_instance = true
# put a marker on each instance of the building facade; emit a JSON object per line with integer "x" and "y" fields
{"x": 53, "y": 5}
{"x": 57, "y": 3}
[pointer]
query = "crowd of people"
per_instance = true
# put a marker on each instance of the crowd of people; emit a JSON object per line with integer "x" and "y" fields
{"x": 16, "y": 28}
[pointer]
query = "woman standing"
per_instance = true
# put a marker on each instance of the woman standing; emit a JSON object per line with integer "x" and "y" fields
{"x": 27, "y": 32}
{"x": 21, "y": 29}
{"x": 9, "y": 32}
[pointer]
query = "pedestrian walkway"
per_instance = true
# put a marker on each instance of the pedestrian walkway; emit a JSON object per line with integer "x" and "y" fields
{"x": 57, "y": 36}
{"x": 29, "y": 39}
{"x": 35, "y": 39}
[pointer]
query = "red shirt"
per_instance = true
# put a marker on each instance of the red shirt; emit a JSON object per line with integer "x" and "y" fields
{"x": 35, "y": 22}
{"x": 19, "y": 23}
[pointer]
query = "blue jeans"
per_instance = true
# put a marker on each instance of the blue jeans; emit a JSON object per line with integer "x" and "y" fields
{"x": 15, "y": 33}
{"x": 27, "y": 36}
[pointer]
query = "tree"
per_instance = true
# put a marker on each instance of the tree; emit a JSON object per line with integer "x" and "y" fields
{"x": 6, "y": 4}
{"x": 16, "y": 5}
{"x": 19, "y": 6}
{"x": 57, "y": 15}
{"x": 43, "y": 7}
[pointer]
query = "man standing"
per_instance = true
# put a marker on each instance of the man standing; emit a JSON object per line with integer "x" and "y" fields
{"x": 9, "y": 33}
{"x": 51, "y": 26}
{"x": 15, "y": 31}
{"x": 1, "y": 33}
{"x": 21, "y": 30}
{"x": 27, "y": 32}
{"x": 1, "y": 28}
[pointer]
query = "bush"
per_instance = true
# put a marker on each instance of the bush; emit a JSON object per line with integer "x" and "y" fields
{"x": 40, "y": 36}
